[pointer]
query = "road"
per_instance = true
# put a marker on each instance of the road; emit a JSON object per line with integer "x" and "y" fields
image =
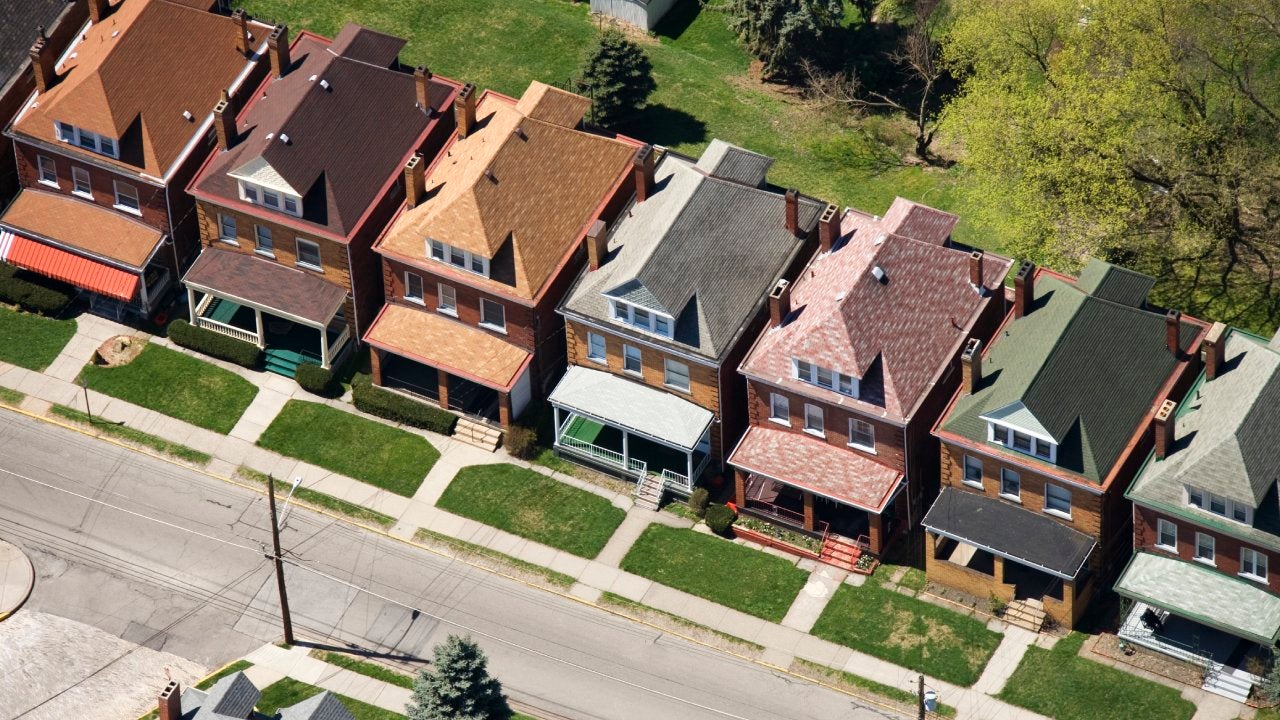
{"x": 172, "y": 559}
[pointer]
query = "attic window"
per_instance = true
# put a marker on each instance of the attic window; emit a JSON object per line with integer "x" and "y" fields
{"x": 643, "y": 319}
{"x": 69, "y": 133}
{"x": 456, "y": 256}
{"x": 1219, "y": 505}
{"x": 1022, "y": 441}
{"x": 267, "y": 197}
{"x": 827, "y": 378}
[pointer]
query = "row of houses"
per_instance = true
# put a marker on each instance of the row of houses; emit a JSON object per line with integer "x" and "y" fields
{"x": 861, "y": 379}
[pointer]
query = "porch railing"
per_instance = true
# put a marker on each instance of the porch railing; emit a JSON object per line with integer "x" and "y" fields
{"x": 612, "y": 457}
{"x": 336, "y": 345}
{"x": 769, "y": 511}
{"x": 225, "y": 329}
{"x": 676, "y": 481}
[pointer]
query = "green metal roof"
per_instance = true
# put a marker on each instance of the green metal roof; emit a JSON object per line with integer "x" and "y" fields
{"x": 1112, "y": 282}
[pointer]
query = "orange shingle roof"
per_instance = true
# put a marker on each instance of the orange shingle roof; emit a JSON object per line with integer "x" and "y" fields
{"x": 82, "y": 225}
{"x": 443, "y": 343}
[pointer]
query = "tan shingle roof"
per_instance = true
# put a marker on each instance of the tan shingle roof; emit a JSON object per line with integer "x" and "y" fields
{"x": 443, "y": 343}
{"x": 82, "y": 225}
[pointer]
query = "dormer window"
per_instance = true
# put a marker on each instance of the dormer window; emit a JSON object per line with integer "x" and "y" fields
{"x": 100, "y": 144}
{"x": 1022, "y": 441}
{"x": 446, "y": 253}
{"x": 825, "y": 377}
{"x": 268, "y": 197}
{"x": 1219, "y": 505}
{"x": 643, "y": 319}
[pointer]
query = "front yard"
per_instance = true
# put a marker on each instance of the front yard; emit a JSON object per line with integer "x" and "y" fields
{"x": 383, "y": 456}
{"x": 531, "y": 505}
{"x": 739, "y": 577}
{"x": 908, "y": 632}
{"x": 287, "y": 692}
{"x": 177, "y": 385}
{"x": 42, "y": 338}
{"x": 1061, "y": 684}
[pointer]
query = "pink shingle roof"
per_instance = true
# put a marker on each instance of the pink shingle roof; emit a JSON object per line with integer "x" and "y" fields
{"x": 911, "y": 219}
{"x": 812, "y": 464}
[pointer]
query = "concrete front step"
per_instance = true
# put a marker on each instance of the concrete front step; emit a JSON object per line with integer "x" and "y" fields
{"x": 649, "y": 493}
{"x": 1024, "y": 615}
{"x": 1223, "y": 682}
{"x": 477, "y": 434}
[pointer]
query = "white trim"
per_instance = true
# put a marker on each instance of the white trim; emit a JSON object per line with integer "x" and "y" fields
{"x": 649, "y": 328}
{"x": 773, "y": 416}
{"x": 88, "y": 180}
{"x": 972, "y": 446}
{"x": 1009, "y": 496}
{"x": 420, "y": 298}
{"x": 964, "y": 472}
{"x": 821, "y": 430}
{"x": 814, "y": 373}
{"x": 115, "y": 186}
{"x": 639, "y": 339}
{"x": 859, "y": 446}
{"x": 666, "y": 374}
{"x": 53, "y": 165}
{"x": 468, "y": 257}
{"x": 639, "y": 360}
{"x": 1161, "y": 523}
{"x": 452, "y": 309}
{"x": 298, "y": 241}
{"x": 232, "y": 239}
{"x": 1213, "y": 549}
{"x": 1265, "y": 563}
{"x": 603, "y": 357}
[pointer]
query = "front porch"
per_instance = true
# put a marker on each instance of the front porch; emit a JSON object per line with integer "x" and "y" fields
{"x": 629, "y": 454}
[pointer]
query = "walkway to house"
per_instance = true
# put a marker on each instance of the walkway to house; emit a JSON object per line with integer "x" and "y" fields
{"x": 1002, "y": 664}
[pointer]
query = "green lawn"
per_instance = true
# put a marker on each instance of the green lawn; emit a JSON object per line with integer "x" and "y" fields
{"x": 908, "y": 632}
{"x": 735, "y": 576}
{"x": 135, "y": 437}
{"x": 177, "y": 385}
{"x": 1065, "y": 686}
{"x": 552, "y": 577}
{"x": 32, "y": 341}
{"x": 378, "y": 454}
{"x": 288, "y": 691}
{"x": 531, "y": 505}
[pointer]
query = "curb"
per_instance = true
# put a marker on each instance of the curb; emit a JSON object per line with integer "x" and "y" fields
{"x": 31, "y": 583}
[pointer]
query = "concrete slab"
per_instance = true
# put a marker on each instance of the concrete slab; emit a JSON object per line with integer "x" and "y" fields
{"x": 586, "y": 592}
{"x": 631, "y": 587}
{"x": 776, "y": 658}
{"x": 17, "y": 577}
{"x": 633, "y": 525}
{"x": 599, "y": 575}
{"x": 813, "y": 597}
{"x": 570, "y": 565}
{"x": 35, "y": 405}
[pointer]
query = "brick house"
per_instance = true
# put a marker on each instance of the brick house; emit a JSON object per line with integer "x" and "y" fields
{"x": 304, "y": 179}
{"x": 1206, "y": 520}
{"x": 861, "y": 356}
{"x": 488, "y": 239}
{"x": 1048, "y": 427}
{"x": 106, "y": 144}
{"x": 671, "y": 299}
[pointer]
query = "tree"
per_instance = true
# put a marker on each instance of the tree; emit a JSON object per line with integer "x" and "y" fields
{"x": 457, "y": 686}
{"x": 781, "y": 33}
{"x": 617, "y": 76}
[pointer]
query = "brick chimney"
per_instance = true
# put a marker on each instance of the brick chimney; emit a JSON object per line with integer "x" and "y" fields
{"x": 1214, "y": 350}
{"x": 642, "y": 166}
{"x": 779, "y": 303}
{"x": 597, "y": 244}
{"x": 1172, "y": 324}
{"x": 242, "y": 42}
{"x": 1024, "y": 289}
{"x": 1164, "y": 425}
{"x": 43, "y": 59}
{"x": 971, "y": 366}
{"x": 464, "y": 110}
{"x": 415, "y": 181}
{"x": 97, "y": 10}
{"x": 278, "y": 50}
{"x": 224, "y": 122}
{"x": 422, "y": 82}
{"x": 793, "y": 211}
{"x": 975, "y": 270}
{"x": 828, "y": 228}
{"x": 169, "y": 703}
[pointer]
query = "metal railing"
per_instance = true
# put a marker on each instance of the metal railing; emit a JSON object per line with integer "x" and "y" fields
{"x": 769, "y": 511}
{"x": 676, "y": 481}
{"x": 225, "y": 329}
{"x": 629, "y": 465}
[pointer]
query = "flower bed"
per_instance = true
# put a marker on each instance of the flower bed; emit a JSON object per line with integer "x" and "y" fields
{"x": 771, "y": 535}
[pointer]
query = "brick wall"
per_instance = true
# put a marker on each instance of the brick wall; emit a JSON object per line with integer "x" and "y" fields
{"x": 1226, "y": 548}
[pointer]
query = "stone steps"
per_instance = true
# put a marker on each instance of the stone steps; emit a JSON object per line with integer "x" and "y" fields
{"x": 649, "y": 492}
{"x": 477, "y": 434}
{"x": 1220, "y": 681}
{"x": 839, "y": 552}
{"x": 1026, "y": 614}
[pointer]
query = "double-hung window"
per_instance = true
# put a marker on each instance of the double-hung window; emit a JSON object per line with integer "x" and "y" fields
{"x": 814, "y": 422}
{"x": 779, "y": 408}
{"x": 675, "y": 374}
{"x": 1010, "y": 484}
{"x": 972, "y": 471}
{"x": 1166, "y": 535}
{"x": 48, "y": 170}
{"x": 825, "y": 378}
{"x": 227, "y": 228}
{"x": 1253, "y": 564}
{"x": 1205, "y": 548}
{"x": 262, "y": 235}
{"x": 437, "y": 250}
{"x": 1057, "y": 499}
{"x": 492, "y": 315}
{"x": 446, "y": 299}
{"x": 631, "y": 359}
{"x": 80, "y": 182}
{"x": 309, "y": 254}
{"x": 595, "y": 347}
{"x": 862, "y": 435}
{"x": 127, "y": 198}
{"x": 413, "y": 288}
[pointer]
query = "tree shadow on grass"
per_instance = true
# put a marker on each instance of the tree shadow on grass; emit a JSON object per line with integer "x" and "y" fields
{"x": 678, "y": 19}
{"x": 664, "y": 125}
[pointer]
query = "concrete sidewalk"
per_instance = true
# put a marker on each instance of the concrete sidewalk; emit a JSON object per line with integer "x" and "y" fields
{"x": 17, "y": 577}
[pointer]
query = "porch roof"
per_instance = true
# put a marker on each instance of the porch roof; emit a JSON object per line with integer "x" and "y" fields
{"x": 1202, "y": 594}
{"x": 257, "y": 282}
{"x": 432, "y": 339}
{"x": 811, "y": 464}
{"x": 83, "y": 227}
{"x": 632, "y": 406}
{"x": 1009, "y": 531}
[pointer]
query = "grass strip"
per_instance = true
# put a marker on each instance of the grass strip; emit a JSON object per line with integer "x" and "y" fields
{"x": 289, "y": 692}
{"x": 11, "y": 397}
{"x": 640, "y": 608}
{"x": 134, "y": 437}
{"x": 551, "y": 576}
{"x": 364, "y": 667}
{"x": 319, "y": 499}
{"x": 848, "y": 681}
{"x": 41, "y": 338}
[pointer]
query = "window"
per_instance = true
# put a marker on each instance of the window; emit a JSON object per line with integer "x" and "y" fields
{"x": 250, "y": 193}
{"x": 631, "y": 359}
{"x": 640, "y": 318}
{"x": 413, "y": 288}
{"x": 69, "y": 133}
{"x": 1166, "y": 535}
{"x": 1253, "y": 564}
{"x": 862, "y": 434}
{"x": 1057, "y": 500}
{"x": 87, "y": 140}
{"x": 127, "y": 198}
{"x": 290, "y": 205}
{"x": 825, "y": 378}
{"x": 66, "y": 132}
{"x": 263, "y": 235}
{"x": 1023, "y": 443}
{"x": 48, "y": 170}
{"x": 437, "y": 250}
{"x": 813, "y": 420}
{"x": 675, "y": 374}
{"x": 779, "y": 408}
{"x": 1010, "y": 484}
{"x": 595, "y": 347}
{"x": 270, "y": 198}
{"x": 492, "y": 315}
{"x": 108, "y": 146}
{"x": 1205, "y": 548}
{"x": 972, "y": 471}
{"x": 445, "y": 253}
{"x": 273, "y": 199}
{"x": 1219, "y": 505}
{"x": 447, "y": 300}
{"x": 227, "y": 228}
{"x": 309, "y": 254}
{"x": 80, "y": 182}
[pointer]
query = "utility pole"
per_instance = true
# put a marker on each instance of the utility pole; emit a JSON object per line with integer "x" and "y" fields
{"x": 919, "y": 694}
{"x": 284, "y": 598}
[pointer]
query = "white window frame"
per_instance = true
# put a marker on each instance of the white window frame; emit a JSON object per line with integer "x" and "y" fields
{"x": 318, "y": 265}
{"x": 445, "y": 253}
{"x": 446, "y": 299}
{"x": 682, "y": 369}
{"x": 965, "y": 464}
{"x": 597, "y": 348}
{"x": 136, "y": 208}
{"x": 234, "y": 237}
{"x": 818, "y": 428}
{"x": 1161, "y": 526}
{"x": 858, "y": 426}
{"x": 502, "y": 313}
{"x": 1211, "y": 558}
{"x": 780, "y": 409}
{"x": 72, "y": 135}
{"x": 1256, "y": 559}
{"x": 48, "y": 170}
{"x": 1008, "y": 436}
{"x": 654, "y": 323}
{"x": 1005, "y": 475}
{"x": 409, "y": 294}
{"x": 81, "y": 176}
{"x": 627, "y": 352}
{"x": 270, "y": 198}
{"x": 825, "y": 378}
{"x": 260, "y": 231}
{"x": 1205, "y": 501}
{"x": 1049, "y": 489}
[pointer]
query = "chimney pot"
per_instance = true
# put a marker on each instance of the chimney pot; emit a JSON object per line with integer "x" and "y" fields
{"x": 642, "y": 165}
{"x": 1173, "y": 324}
{"x": 779, "y": 303}
{"x": 597, "y": 244}
{"x": 971, "y": 366}
{"x": 97, "y": 11}
{"x": 464, "y": 110}
{"x": 1213, "y": 350}
{"x": 169, "y": 703}
{"x": 793, "y": 211}
{"x": 422, "y": 81}
{"x": 278, "y": 50}
{"x": 828, "y": 228}
{"x": 242, "y": 43}
{"x": 415, "y": 181}
{"x": 1024, "y": 291}
{"x": 975, "y": 270}
{"x": 224, "y": 124}
{"x": 1164, "y": 425}
{"x": 42, "y": 62}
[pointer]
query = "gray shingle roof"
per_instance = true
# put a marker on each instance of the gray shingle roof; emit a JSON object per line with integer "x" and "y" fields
{"x": 324, "y": 706}
{"x": 734, "y": 163}
{"x": 231, "y": 697}
{"x": 18, "y": 31}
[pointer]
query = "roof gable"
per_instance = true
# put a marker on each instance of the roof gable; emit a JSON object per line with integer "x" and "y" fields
{"x": 730, "y": 162}
{"x": 231, "y": 697}
{"x": 1114, "y": 283}
{"x": 322, "y": 706}
{"x": 363, "y": 44}
{"x": 911, "y": 219}
{"x": 552, "y": 105}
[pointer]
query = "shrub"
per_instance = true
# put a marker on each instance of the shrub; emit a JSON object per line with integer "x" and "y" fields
{"x": 315, "y": 379}
{"x": 719, "y": 518}
{"x": 698, "y": 500}
{"x": 521, "y": 442}
{"x": 214, "y": 344}
{"x": 376, "y": 401}
{"x": 46, "y": 299}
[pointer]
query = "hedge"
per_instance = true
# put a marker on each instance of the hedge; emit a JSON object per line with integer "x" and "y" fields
{"x": 315, "y": 379}
{"x": 46, "y": 299}
{"x": 719, "y": 518}
{"x": 376, "y": 401}
{"x": 214, "y": 344}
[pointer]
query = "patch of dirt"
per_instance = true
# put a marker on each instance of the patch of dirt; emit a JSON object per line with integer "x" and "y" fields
{"x": 636, "y": 34}
{"x": 119, "y": 350}
{"x": 1108, "y": 645}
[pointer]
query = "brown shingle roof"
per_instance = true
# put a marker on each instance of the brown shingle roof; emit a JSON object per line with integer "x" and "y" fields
{"x": 443, "y": 343}
{"x": 82, "y": 225}
{"x": 135, "y": 73}
{"x": 259, "y": 281}
{"x": 515, "y": 179}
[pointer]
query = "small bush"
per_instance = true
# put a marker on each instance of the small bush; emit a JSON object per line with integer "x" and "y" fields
{"x": 214, "y": 344}
{"x": 315, "y": 379}
{"x": 376, "y": 401}
{"x": 719, "y": 518}
{"x": 521, "y": 442}
{"x": 698, "y": 500}
{"x": 45, "y": 299}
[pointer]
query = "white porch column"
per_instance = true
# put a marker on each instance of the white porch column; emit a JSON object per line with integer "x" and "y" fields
{"x": 555, "y": 416}
{"x": 690, "y": 472}
{"x": 626, "y": 462}
{"x": 324, "y": 348}
{"x": 191, "y": 304}
{"x": 142, "y": 287}
{"x": 262, "y": 338}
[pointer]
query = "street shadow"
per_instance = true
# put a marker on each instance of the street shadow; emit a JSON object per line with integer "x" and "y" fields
{"x": 664, "y": 125}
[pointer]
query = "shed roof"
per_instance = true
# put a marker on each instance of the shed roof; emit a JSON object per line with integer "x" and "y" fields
{"x": 638, "y": 408}
{"x": 83, "y": 225}
{"x": 257, "y": 281}
{"x": 429, "y": 337}
{"x": 816, "y": 465}
{"x": 911, "y": 219}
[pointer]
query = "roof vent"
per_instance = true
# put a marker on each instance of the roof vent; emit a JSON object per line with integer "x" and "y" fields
{"x": 312, "y": 78}
{"x": 186, "y": 114}
{"x": 324, "y": 84}
{"x": 880, "y": 238}
{"x": 270, "y": 135}
{"x": 284, "y": 138}
{"x": 115, "y": 33}
{"x": 878, "y": 273}
{"x": 492, "y": 178}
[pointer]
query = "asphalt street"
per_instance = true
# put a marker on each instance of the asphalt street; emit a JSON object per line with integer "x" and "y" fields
{"x": 172, "y": 559}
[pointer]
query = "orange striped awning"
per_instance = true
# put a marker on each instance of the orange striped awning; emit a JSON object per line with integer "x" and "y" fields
{"x": 67, "y": 267}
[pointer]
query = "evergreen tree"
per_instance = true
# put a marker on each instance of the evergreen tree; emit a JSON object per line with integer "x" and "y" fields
{"x": 782, "y": 33}
{"x": 617, "y": 76}
{"x": 457, "y": 686}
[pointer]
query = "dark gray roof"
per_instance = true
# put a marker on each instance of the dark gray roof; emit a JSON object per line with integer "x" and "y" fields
{"x": 231, "y": 697}
{"x": 734, "y": 163}
{"x": 1009, "y": 531}
{"x": 370, "y": 46}
{"x": 1114, "y": 283}
{"x": 702, "y": 249}
{"x": 244, "y": 277}
{"x": 324, "y": 706}
{"x": 18, "y": 31}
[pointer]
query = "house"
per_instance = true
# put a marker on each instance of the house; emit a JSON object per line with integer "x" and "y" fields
{"x": 234, "y": 697}
{"x": 304, "y": 179}
{"x": 1046, "y": 431}
{"x": 105, "y": 146}
{"x": 1206, "y": 519}
{"x": 673, "y": 294}
{"x": 490, "y": 236}
{"x": 643, "y": 14}
{"x": 861, "y": 356}
{"x": 55, "y": 23}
